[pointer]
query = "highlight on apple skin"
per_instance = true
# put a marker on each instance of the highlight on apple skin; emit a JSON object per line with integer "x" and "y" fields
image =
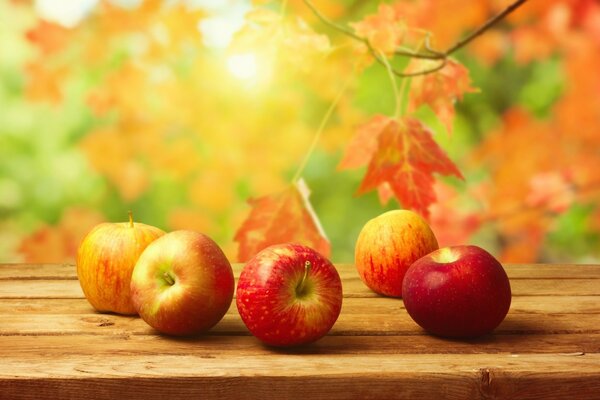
{"x": 182, "y": 283}
{"x": 459, "y": 292}
{"x": 289, "y": 295}
{"x": 386, "y": 247}
{"x": 105, "y": 261}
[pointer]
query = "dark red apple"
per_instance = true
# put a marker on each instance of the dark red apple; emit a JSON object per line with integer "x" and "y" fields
{"x": 288, "y": 295}
{"x": 459, "y": 291}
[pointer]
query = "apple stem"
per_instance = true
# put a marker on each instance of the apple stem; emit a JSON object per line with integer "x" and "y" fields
{"x": 130, "y": 219}
{"x": 300, "y": 287}
{"x": 169, "y": 279}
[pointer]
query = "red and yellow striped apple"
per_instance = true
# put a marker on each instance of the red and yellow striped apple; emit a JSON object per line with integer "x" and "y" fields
{"x": 387, "y": 245}
{"x": 288, "y": 295}
{"x": 182, "y": 283}
{"x": 105, "y": 261}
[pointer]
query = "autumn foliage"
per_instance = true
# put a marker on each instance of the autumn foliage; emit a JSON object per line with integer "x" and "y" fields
{"x": 473, "y": 145}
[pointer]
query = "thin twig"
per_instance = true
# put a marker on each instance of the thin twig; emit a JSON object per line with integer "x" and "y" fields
{"x": 320, "y": 130}
{"x": 442, "y": 64}
{"x": 431, "y": 54}
{"x": 414, "y": 54}
{"x": 491, "y": 22}
{"x": 394, "y": 84}
{"x": 348, "y": 32}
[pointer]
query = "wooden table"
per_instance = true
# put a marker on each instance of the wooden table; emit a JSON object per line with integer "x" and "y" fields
{"x": 53, "y": 345}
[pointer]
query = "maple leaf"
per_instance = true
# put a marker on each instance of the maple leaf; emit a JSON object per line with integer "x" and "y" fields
{"x": 384, "y": 30}
{"x": 402, "y": 163}
{"x": 364, "y": 143}
{"x": 361, "y": 149}
{"x": 48, "y": 36}
{"x": 439, "y": 90}
{"x": 282, "y": 217}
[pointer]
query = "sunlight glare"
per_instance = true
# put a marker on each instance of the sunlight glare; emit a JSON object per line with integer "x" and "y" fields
{"x": 65, "y": 13}
{"x": 243, "y": 66}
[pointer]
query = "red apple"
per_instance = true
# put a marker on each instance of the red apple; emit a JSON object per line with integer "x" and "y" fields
{"x": 182, "y": 283}
{"x": 459, "y": 291}
{"x": 105, "y": 261}
{"x": 387, "y": 245}
{"x": 288, "y": 295}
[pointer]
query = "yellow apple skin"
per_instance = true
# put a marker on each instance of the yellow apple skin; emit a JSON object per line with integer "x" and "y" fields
{"x": 105, "y": 261}
{"x": 387, "y": 245}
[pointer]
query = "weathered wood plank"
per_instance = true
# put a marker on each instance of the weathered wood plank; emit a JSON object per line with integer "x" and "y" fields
{"x": 351, "y": 305}
{"x": 347, "y": 324}
{"x": 514, "y": 271}
{"x": 54, "y": 345}
{"x": 37, "y": 271}
{"x": 40, "y": 289}
{"x": 353, "y": 287}
{"x": 275, "y": 376}
{"x": 365, "y": 386}
{"x": 118, "y": 346}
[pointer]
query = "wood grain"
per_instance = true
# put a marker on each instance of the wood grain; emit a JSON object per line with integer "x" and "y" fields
{"x": 353, "y": 287}
{"x": 295, "y": 376}
{"x": 127, "y": 343}
{"x": 351, "y": 305}
{"x": 347, "y": 324}
{"x": 53, "y": 345}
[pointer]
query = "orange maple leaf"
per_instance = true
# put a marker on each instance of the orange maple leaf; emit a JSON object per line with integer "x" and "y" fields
{"x": 401, "y": 163}
{"x": 360, "y": 150}
{"x": 384, "y": 30}
{"x": 282, "y": 217}
{"x": 439, "y": 90}
{"x": 48, "y": 36}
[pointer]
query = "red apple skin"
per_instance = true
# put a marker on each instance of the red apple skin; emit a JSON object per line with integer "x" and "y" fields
{"x": 458, "y": 292}
{"x": 269, "y": 304}
{"x": 386, "y": 247}
{"x": 105, "y": 261}
{"x": 182, "y": 283}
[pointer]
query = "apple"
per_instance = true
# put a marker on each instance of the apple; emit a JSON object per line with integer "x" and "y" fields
{"x": 387, "y": 245}
{"x": 105, "y": 261}
{"x": 288, "y": 295}
{"x": 182, "y": 283}
{"x": 459, "y": 291}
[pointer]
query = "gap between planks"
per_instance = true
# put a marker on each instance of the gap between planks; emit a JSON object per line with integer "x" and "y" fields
{"x": 351, "y": 305}
{"x": 514, "y": 271}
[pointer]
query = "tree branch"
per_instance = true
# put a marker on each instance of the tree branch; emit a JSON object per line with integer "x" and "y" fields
{"x": 491, "y": 22}
{"x": 431, "y": 54}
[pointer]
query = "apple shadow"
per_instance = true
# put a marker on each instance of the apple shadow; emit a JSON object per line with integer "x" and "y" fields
{"x": 306, "y": 349}
{"x": 513, "y": 325}
{"x": 520, "y": 324}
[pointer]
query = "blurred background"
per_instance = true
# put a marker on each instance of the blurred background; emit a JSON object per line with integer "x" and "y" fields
{"x": 183, "y": 110}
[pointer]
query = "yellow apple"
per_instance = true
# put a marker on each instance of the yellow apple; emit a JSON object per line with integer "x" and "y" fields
{"x": 387, "y": 245}
{"x": 105, "y": 261}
